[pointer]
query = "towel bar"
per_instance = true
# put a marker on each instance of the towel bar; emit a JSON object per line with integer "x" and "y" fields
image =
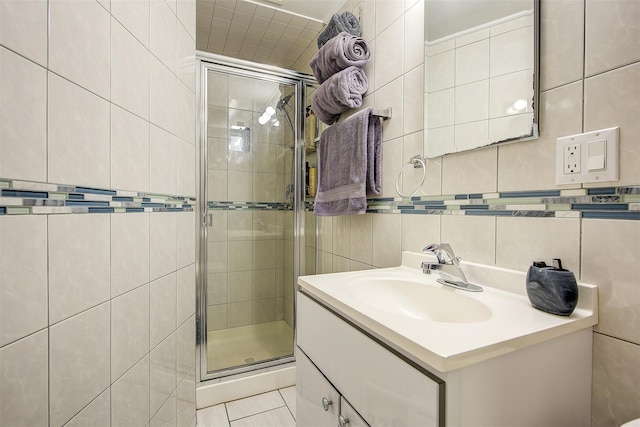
{"x": 384, "y": 114}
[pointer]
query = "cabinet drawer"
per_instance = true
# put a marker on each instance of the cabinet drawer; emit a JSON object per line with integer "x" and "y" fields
{"x": 383, "y": 388}
{"x": 317, "y": 402}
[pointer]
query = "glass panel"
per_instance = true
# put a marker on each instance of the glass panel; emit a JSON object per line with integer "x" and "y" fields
{"x": 250, "y": 242}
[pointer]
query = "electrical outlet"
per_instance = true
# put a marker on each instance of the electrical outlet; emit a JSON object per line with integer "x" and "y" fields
{"x": 572, "y": 158}
{"x": 588, "y": 157}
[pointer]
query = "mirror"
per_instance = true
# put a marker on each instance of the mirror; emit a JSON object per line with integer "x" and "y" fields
{"x": 480, "y": 64}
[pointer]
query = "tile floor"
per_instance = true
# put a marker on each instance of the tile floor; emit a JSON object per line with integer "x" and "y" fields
{"x": 273, "y": 409}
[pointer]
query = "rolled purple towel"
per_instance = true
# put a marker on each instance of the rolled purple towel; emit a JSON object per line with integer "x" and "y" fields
{"x": 342, "y": 51}
{"x": 339, "y": 93}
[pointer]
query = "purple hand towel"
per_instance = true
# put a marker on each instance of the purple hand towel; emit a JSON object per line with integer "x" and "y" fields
{"x": 342, "y": 51}
{"x": 349, "y": 165}
{"x": 339, "y": 93}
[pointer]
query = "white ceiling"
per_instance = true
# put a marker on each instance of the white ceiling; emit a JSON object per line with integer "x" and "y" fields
{"x": 261, "y": 31}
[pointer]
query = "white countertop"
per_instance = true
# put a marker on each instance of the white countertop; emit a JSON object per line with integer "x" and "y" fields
{"x": 445, "y": 346}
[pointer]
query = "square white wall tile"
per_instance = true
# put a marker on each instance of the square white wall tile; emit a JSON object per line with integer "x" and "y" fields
{"x": 23, "y": 107}
{"x": 186, "y": 293}
{"x": 471, "y": 135}
{"x": 361, "y": 238}
{"x": 186, "y": 349}
{"x": 217, "y": 257}
{"x": 471, "y": 102}
{"x": 162, "y": 373}
{"x": 615, "y": 273}
{"x": 507, "y": 93}
{"x": 163, "y": 256}
{"x": 162, "y": 161}
{"x": 166, "y": 415}
{"x": 470, "y": 172}
{"x": 186, "y": 232}
{"x": 561, "y": 51}
{"x": 162, "y": 30}
{"x": 186, "y": 400}
{"x": 612, "y": 34}
{"x": 440, "y": 141}
{"x": 472, "y": 62}
{"x": 129, "y": 330}
{"x": 97, "y": 412}
{"x": 79, "y": 43}
{"x": 440, "y": 108}
{"x": 471, "y": 237}
{"x": 185, "y": 112}
{"x": 390, "y": 96}
{"x": 389, "y": 53}
{"x": 413, "y": 100}
{"x": 130, "y": 68}
{"x": 240, "y": 93}
{"x": 524, "y": 240}
{"x": 24, "y": 28}
{"x": 162, "y": 111}
{"x": 25, "y": 364}
{"x": 386, "y": 12}
{"x": 162, "y": 308}
{"x": 240, "y": 186}
{"x": 78, "y": 135}
{"x": 129, "y": 151}
{"x": 614, "y": 394}
{"x": 129, "y": 252}
{"x": 419, "y": 231}
{"x": 239, "y": 225}
{"x": 186, "y": 12}
{"x": 240, "y": 256}
{"x": 185, "y": 51}
{"x": 511, "y": 52}
{"x": 130, "y": 396}
{"x": 78, "y": 344}
{"x": 79, "y": 263}
{"x": 391, "y": 164}
{"x": 413, "y": 42}
{"x": 440, "y": 71}
{"x": 613, "y": 99}
{"x": 23, "y": 276}
{"x": 134, "y": 16}
{"x": 531, "y": 165}
{"x": 387, "y": 240}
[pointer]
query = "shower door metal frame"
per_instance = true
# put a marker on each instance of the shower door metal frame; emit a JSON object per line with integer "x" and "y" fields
{"x": 300, "y": 81}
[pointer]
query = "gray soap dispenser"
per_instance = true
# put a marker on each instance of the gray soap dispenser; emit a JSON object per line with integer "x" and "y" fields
{"x": 552, "y": 288}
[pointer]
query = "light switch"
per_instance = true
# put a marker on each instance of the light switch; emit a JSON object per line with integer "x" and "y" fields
{"x": 597, "y": 155}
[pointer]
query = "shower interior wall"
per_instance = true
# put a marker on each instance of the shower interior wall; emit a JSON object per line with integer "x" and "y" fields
{"x": 97, "y": 310}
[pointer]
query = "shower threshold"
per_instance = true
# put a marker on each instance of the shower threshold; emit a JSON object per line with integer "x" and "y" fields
{"x": 246, "y": 345}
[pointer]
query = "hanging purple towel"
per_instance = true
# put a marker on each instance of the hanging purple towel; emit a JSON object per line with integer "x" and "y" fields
{"x": 339, "y": 93}
{"x": 349, "y": 165}
{"x": 346, "y": 22}
{"x": 342, "y": 51}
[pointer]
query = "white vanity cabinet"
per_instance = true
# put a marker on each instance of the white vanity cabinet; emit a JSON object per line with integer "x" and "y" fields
{"x": 371, "y": 381}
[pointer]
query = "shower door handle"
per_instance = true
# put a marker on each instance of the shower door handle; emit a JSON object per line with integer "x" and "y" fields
{"x": 208, "y": 219}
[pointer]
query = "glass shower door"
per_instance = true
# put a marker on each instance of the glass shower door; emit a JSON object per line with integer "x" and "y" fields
{"x": 250, "y": 159}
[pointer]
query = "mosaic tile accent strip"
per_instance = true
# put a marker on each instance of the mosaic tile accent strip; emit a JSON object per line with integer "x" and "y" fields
{"x": 36, "y": 198}
{"x": 601, "y": 203}
{"x": 234, "y": 206}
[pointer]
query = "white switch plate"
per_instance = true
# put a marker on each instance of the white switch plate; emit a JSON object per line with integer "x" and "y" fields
{"x": 574, "y": 158}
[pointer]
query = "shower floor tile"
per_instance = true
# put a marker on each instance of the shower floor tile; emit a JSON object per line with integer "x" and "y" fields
{"x": 239, "y": 346}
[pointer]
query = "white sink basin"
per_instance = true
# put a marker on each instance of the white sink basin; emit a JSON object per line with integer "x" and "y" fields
{"x": 418, "y": 300}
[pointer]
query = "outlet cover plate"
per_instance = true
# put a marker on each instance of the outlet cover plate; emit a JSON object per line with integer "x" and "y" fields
{"x": 610, "y": 171}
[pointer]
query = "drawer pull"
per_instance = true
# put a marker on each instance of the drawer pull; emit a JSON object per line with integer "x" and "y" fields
{"x": 342, "y": 421}
{"x": 326, "y": 403}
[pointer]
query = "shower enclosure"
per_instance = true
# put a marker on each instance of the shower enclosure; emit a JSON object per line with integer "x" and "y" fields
{"x": 252, "y": 211}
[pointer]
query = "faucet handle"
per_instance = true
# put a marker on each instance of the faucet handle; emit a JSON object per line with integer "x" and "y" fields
{"x": 443, "y": 252}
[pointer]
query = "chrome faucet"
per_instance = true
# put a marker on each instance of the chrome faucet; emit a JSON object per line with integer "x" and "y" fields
{"x": 448, "y": 266}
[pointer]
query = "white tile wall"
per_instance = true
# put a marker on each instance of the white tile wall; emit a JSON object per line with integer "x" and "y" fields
{"x": 76, "y": 81}
{"x": 23, "y": 107}
{"x": 79, "y": 44}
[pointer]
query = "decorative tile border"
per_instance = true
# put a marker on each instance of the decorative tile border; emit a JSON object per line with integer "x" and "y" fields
{"x": 235, "y": 206}
{"x": 602, "y": 203}
{"x": 36, "y": 198}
